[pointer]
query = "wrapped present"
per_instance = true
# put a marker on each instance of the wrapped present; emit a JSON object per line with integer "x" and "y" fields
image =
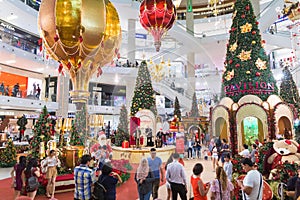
{"x": 125, "y": 144}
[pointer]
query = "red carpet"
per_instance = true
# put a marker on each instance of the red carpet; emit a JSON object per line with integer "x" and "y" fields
{"x": 126, "y": 191}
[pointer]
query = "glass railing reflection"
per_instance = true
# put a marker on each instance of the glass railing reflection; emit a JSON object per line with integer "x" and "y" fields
{"x": 15, "y": 41}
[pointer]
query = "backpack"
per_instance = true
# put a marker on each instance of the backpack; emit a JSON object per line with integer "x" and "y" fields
{"x": 99, "y": 190}
{"x": 33, "y": 183}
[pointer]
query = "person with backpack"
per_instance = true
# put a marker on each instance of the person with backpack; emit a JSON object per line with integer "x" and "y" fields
{"x": 144, "y": 178}
{"x": 32, "y": 172}
{"x": 106, "y": 184}
{"x": 16, "y": 175}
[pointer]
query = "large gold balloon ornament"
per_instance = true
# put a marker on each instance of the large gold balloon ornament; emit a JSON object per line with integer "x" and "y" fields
{"x": 83, "y": 35}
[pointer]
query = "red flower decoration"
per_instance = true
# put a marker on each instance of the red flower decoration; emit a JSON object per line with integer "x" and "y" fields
{"x": 56, "y": 38}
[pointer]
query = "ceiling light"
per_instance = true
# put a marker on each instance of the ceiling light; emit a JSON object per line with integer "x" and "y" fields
{"x": 10, "y": 61}
{"x": 12, "y": 17}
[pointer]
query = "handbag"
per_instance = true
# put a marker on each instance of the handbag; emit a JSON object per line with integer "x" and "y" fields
{"x": 33, "y": 183}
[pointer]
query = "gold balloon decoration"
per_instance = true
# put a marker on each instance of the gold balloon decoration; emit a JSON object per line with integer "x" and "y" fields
{"x": 82, "y": 35}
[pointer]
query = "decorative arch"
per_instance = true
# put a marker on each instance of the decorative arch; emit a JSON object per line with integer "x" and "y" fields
{"x": 251, "y": 110}
{"x": 227, "y": 102}
{"x": 194, "y": 126}
{"x": 220, "y": 112}
{"x": 283, "y": 110}
{"x": 273, "y": 100}
{"x": 250, "y": 99}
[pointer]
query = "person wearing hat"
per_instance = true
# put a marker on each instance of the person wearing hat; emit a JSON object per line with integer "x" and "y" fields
{"x": 251, "y": 188}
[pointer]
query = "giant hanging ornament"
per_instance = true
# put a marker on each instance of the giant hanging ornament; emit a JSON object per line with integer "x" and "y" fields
{"x": 157, "y": 17}
{"x": 82, "y": 35}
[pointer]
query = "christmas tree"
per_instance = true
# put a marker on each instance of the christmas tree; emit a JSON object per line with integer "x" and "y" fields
{"x": 247, "y": 68}
{"x": 42, "y": 134}
{"x": 177, "y": 111}
{"x": 143, "y": 97}
{"x": 76, "y": 139}
{"x": 8, "y": 156}
{"x": 122, "y": 131}
{"x": 288, "y": 89}
{"x": 195, "y": 110}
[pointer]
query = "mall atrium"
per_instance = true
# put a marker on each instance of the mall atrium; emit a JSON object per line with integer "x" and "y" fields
{"x": 120, "y": 77}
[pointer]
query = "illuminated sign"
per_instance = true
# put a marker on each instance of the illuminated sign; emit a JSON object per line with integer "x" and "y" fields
{"x": 249, "y": 88}
{"x": 7, "y": 26}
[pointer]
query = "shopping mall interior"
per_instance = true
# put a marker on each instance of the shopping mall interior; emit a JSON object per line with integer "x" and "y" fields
{"x": 135, "y": 74}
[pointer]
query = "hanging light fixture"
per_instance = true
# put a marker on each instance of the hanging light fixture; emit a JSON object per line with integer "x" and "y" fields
{"x": 159, "y": 71}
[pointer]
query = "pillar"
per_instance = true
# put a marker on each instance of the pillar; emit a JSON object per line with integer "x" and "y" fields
{"x": 190, "y": 69}
{"x": 62, "y": 96}
{"x": 130, "y": 85}
{"x": 131, "y": 40}
{"x": 256, "y": 7}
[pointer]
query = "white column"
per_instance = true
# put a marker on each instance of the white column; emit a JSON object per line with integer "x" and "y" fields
{"x": 131, "y": 40}
{"x": 256, "y": 7}
{"x": 62, "y": 97}
{"x": 130, "y": 85}
{"x": 190, "y": 55}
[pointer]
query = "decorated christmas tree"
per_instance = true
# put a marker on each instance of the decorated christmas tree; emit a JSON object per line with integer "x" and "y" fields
{"x": 76, "y": 139}
{"x": 143, "y": 97}
{"x": 8, "y": 156}
{"x": 177, "y": 111}
{"x": 122, "y": 131}
{"x": 288, "y": 89}
{"x": 195, "y": 110}
{"x": 42, "y": 134}
{"x": 247, "y": 67}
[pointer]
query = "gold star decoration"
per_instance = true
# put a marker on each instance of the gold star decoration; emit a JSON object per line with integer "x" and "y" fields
{"x": 233, "y": 47}
{"x": 246, "y": 28}
{"x": 229, "y": 75}
{"x": 244, "y": 55}
{"x": 260, "y": 64}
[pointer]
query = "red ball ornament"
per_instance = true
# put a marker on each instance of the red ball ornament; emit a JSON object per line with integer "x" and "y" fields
{"x": 256, "y": 22}
{"x": 257, "y": 74}
{"x": 263, "y": 41}
{"x": 230, "y": 61}
{"x": 237, "y": 65}
{"x": 247, "y": 7}
{"x": 253, "y": 32}
{"x": 243, "y": 16}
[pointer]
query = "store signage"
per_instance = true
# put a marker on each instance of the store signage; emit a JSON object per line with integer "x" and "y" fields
{"x": 7, "y": 26}
{"x": 31, "y": 116}
{"x": 141, "y": 36}
{"x": 249, "y": 88}
{"x": 7, "y": 113}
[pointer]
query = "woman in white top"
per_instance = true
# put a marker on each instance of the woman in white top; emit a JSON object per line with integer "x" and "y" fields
{"x": 245, "y": 153}
{"x": 214, "y": 156}
{"x": 51, "y": 163}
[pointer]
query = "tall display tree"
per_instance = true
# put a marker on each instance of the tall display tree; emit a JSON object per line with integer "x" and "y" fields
{"x": 177, "y": 111}
{"x": 76, "y": 139}
{"x": 195, "y": 110}
{"x": 143, "y": 97}
{"x": 42, "y": 134}
{"x": 122, "y": 130}
{"x": 247, "y": 67}
{"x": 288, "y": 89}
